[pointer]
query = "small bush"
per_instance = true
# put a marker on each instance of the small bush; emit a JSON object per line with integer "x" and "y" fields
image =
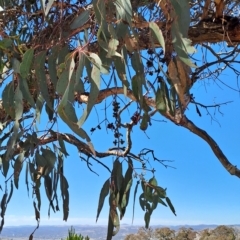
{"x": 73, "y": 236}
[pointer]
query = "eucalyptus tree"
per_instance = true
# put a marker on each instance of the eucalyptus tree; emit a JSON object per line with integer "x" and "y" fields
{"x": 134, "y": 54}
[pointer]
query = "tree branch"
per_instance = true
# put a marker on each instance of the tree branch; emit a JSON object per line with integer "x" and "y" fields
{"x": 233, "y": 170}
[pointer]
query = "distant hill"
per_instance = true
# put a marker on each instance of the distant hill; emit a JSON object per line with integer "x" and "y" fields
{"x": 97, "y": 232}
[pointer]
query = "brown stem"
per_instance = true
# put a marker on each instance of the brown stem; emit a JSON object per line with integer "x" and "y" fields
{"x": 233, "y": 170}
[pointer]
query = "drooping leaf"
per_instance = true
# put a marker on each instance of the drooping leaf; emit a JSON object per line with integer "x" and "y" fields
{"x": 95, "y": 87}
{"x": 104, "y": 192}
{"x": 62, "y": 146}
{"x": 147, "y": 219}
{"x": 99, "y": 10}
{"x": 25, "y": 91}
{"x": 48, "y": 187}
{"x": 160, "y": 101}
{"x": 11, "y": 192}
{"x": 80, "y": 20}
{"x": 124, "y": 10}
{"x": 171, "y": 206}
{"x": 52, "y": 65}
{"x": 8, "y": 100}
{"x": 117, "y": 174}
{"x": 39, "y": 66}
{"x": 37, "y": 213}
{"x": 39, "y": 105}
{"x": 49, "y": 5}
{"x": 120, "y": 66}
{"x": 157, "y": 33}
{"x": 18, "y": 168}
{"x": 145, "y": 121}
{"x": 26, "y": 63}
{"x": 50, "y": 158}
{"x": 134, "y": 198}
{"x": 65, "y": 196}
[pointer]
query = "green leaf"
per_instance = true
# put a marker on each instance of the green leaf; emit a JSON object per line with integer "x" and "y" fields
{"x": 171, "y": 206}
{"x": 11, "y": 192}
{"x": 18, "y": 168}
{"x": 134, "y": 198}
{"x": 79, "y": 86}
{"x": 49, "y": 5}
{"x": 37, "y": 213}
{"x": 155, "y": 199}
{"x": 104, "y": 192}
{"x": 157, "y": 33}
{"x": 142, "y": 201}
{"x": 6, "y": 43}
{"x": 80, "y": 20}
{"x": 50, "y": 158}
{"x": 39, "y": 105}
{"x": 52, "y": 65}
{"x": 26, "y": 64}
{"x": 99, "y": 10}
{"x": 153, "y": 181}
{"x": 25, "y": 91}
{"x": 95, "y": 87}
{"x": 161, "y": 192}
{"x": 65, "y": 196}
{"x": 117, "y": 174}
{"x": 144, "y": 122}
{"x": 147, "y": 218}
{"x": 120, "y": 66}
{"x": 124, "y": 10}
{"x": 160, "y": 101}
{"x": 39, "y": 66}
{"x": 8, "y": 100}
{"x": 62, "y": 146}
{"x": 40, "y": 160}
{"x": 15, "y": 65}
{"x": 68, "y": 115}
{"x": 182, "y": 18}
{"x": 48, "y": 187}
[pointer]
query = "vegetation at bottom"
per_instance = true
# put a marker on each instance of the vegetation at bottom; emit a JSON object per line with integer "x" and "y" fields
{"x": 219, "y": 233}
{"x": 74, "y": 236}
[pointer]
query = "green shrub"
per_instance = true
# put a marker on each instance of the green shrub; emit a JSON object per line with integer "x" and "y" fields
{"x": 73, "y": 236}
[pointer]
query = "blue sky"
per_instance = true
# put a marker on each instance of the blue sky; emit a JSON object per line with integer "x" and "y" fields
{"x": 202, "y": 191}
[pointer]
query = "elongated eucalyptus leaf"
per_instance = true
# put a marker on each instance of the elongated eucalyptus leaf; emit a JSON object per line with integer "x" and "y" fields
{"x": 65, "y": 196}
{"x": 26, "y": 64}
{"x": 18, "y": 168}
{"x": 25, "y": 91}
{"x": 99, "y": 10}
{"x": 124, "y": 10}
{"x": 50, "y": 158}
{"x": 48, "y": 187}
{"x": 117, "y": 174}
{"x": 11, "y": 192}
{"x": 37, "y": 213}
{"x": 95, "y": 87}
{"x": 157, "y": 33}
{"x": 147, "y": 217}
{"x": 62, "y": 146}
{"x": 160, "y": 101}
{"x": 104, "y": 192}
{"x": 171, "y": 206}
{"x": 80, "y": 20}
{"x": 39, "y": 105}
{"x": 8, "y": 100}
{"x": 49, "y": 5}
{"x": 134, "y": 198}
{"x": 39, "y": 66}
{"x": 120, "y": 66}
{"x": 52, "y": 65}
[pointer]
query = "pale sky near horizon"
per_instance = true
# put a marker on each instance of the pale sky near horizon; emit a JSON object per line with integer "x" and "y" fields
{"x": 201, "y": 190}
